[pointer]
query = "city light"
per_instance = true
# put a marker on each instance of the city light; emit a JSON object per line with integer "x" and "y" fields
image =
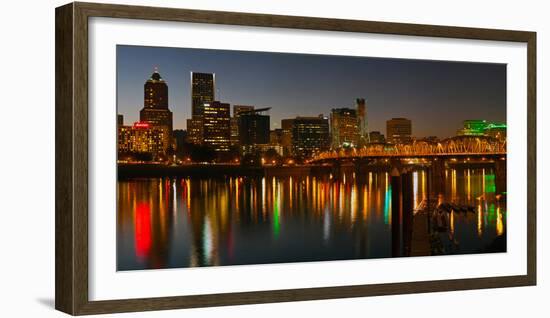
{"x": 334, "y": 177}
{"x": 141, "y": 125}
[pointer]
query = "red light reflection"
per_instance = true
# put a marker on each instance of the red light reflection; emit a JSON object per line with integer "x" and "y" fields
{"x": 142, "y": 230}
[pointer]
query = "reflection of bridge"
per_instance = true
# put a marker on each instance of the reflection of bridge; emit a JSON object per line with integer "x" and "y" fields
{"x": 456, "y": 146}
{"x": 433, "y": 157}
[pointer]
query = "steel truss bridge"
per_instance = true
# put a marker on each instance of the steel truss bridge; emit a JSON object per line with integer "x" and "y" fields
{"x": 460, "y": 146}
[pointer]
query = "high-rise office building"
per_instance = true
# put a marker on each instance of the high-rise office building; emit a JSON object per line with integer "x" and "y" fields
{"x": 216, "y": 127}
{"x": 180, "y": 138}
{"x": 398, "y": 130}
{"x": 344, "y": 127}
{"x": 155, "y": 107}
{"x": 253, "y": 129}
{"x": 362, "y": 119}
{"x": 310, "y": 135}
{"x": 195, "y": 130}
{"x": 203, "y": 87}
{"x": 237, "y": 110}
{"x": 286, "y": 139}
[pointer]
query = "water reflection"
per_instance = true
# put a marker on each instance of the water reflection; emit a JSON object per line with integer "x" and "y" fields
{"x": 188, "y": 222}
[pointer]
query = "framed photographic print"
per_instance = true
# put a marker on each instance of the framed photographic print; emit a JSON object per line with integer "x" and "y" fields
{"x": 217, "y": 158}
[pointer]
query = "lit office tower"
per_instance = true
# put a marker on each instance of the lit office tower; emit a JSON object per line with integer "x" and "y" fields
{"x": 344, "y": 127}
{"x": 398, "y": 130}
{"x": 155, "y": 110}
{"x": 286, "y": 138}
{"x": 216, "y": 128}
{"x": 202, "y": 91}
{"x": 310, "y": 135}
{"x": 237, "y": 110}
{"x": 362, "y": 119}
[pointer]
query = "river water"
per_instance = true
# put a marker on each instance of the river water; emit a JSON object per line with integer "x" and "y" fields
{"x": 189, "y": 222}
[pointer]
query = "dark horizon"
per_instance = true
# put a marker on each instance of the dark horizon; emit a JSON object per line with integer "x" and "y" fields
{"x": 436, "y": 95}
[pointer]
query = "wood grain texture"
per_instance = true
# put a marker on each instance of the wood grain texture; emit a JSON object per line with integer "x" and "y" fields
{"x": 72, "y": 157}
{"x": 64, "y": 235}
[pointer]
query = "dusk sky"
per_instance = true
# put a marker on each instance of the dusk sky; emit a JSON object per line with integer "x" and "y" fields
{"x": 436, "y": 96}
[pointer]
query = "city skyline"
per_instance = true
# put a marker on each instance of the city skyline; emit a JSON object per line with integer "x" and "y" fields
{"x": 289, "y": 80}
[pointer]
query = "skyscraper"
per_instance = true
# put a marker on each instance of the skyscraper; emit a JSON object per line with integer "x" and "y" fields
{"x": 362, "y": 119}
{"x": 398, "y": 130}
{"x": 237, "y": 110}
{"x": 286, "y": 139}
{"x": 155, "y": 110}
{"x": 202, "y": 91}
{"x": 310, "y": 135}
{"x": 344, "y": 127}
{"x": 216, "y": 128}
{"x": 253, "y": 129}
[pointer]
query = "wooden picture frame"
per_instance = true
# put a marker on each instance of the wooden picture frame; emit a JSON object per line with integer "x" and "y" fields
{"x": 71, "y": 89}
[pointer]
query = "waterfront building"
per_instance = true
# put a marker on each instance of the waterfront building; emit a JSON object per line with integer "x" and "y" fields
{"x": 180, "y": 138}
{"x": 496, "y": 130}
{"x": 480, "y": 127}
{"x": 376, "y": 137}
{"x": 119, "y": 120}
{"x": 432, "y": 139}
{"x": 310, "y": 135}
{"x": 398, "y": 130}
{"x": 195, "y": 130}
{"x": 216, "y": 127}
{"x": 142, "y": 137}
{"x": 264, "y": 148}
{"x": 237, "y": 110}
{"x": 253, "y": 129}
{"x": 155, "y": 110}
{"x": 276, "y": 136}
{"x": 472, "y": 127}
{"x": 344, "y": 127}
{"x": 286, "y": 138}
{"x": 276, "y": 140}
{"x": 361, "y": 106}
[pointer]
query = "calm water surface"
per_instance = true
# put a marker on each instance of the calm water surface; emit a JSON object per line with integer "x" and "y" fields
{"x": 188, "y": 222}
